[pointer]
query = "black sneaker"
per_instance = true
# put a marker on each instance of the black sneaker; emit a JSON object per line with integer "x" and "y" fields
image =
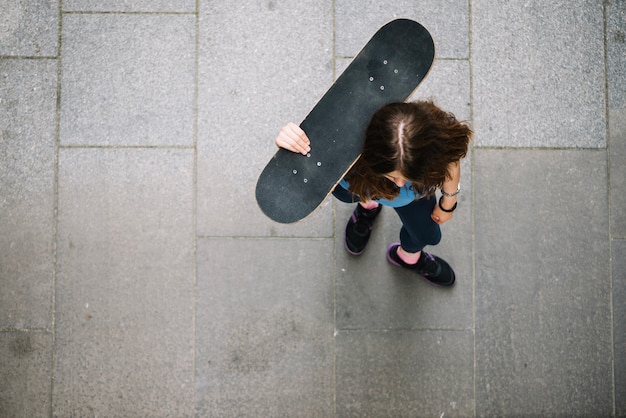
{"x": 434, "y": 269}
{"x": 359, "y": 228}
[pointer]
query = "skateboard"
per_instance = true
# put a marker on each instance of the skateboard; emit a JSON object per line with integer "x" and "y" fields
{"x": 388, "y": 69}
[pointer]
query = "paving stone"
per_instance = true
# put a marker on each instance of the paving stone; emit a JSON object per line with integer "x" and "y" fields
{"x": 264, "y": 328}
{"x": 153, "y": 6}
{"x": 619, "y": 324}
{"x": 616, "y": 70}
{"x": 128, "y": 79}
{"x": 26, "y": 365}
{"x": 27, "y": 146}
{"x": 616, "y": 51}
{"x": 447, "y": 21}
{"x": 125, "y": 283}
{"x": 543, "y": 319}
{"x": 448, "y": 85}
{"x": 405, "y": 374}
{"x": 242, "y": 110}
{"x": 373, "y": 294}
{"x": 29, "y": 28}
{"x": 617, "y": 158}
{"x": 537, "y": 82}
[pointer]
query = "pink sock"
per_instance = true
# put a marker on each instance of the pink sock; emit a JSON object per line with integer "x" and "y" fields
{"x": 369, "y": 205}
{"x": 409, "y": 258}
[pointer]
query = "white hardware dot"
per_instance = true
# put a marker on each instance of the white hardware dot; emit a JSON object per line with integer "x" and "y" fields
{"x": 371, "y": 78}
{"x": 319, "y": 163}
{"x": 295, "y": 171}
{"x": 306, "y": 180}
{"x": 382, "y": 87}
{"x": 385, "y": 62}
{"x": 395, "y": 71}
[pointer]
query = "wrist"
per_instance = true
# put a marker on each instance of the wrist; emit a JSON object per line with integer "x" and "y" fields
{"x": 447, "y": 204}
{"x": 452, "y": 194}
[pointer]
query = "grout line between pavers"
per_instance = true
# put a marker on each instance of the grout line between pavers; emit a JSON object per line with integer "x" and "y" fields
{"x": 55, "y": 223}
{"x": 31, "y": 330}
{"x": 608, "y": 202}
{"x": 262, "y": 238}
{"x": 513, "y": 148}
{"x": 406, "y": 330}
{"x": 112, "y": 12}
{"x": 27, "y": 57}
{"x": 75, "y": 146}
{"x": 194, "y": 215}
{"x": 472, "y": 197}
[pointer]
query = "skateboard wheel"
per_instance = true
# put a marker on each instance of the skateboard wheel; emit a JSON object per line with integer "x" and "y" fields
{"x": 371, "y": 78}
{"x": 382, "y": 87}
{"x": 319, "y": 163}
{"x": 306, "y": 180}
{"x": 295, "y": 171}
{"x": 385, "y": 62}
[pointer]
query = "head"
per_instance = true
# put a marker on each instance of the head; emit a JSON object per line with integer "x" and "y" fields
{"x": 405, "y": 142}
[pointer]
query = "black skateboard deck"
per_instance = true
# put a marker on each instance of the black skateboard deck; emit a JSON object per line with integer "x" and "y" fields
{"x": 388, "y": 69}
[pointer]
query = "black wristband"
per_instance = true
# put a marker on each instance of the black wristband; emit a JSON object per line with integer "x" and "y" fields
{"x": 446, "y": 210}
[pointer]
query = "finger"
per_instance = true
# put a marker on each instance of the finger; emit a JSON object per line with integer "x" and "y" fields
{"x": 283, "y": 141}
{"x": 298, "y": 132}
{"x": 298, "y": 138}
{"x": 294, "y": 144}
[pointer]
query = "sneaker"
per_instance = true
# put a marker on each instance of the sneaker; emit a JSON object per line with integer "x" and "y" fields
{"x": 359, "y": 228}
{"x": 434, "y": 269}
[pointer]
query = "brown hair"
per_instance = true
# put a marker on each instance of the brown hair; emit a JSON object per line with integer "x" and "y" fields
{"x": 418, "y": 139}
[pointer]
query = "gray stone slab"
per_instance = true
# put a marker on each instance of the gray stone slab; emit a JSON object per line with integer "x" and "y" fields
{"x": 616, "y": 52}
{"x": 616, "y": 70}
{"x": 27, "y": 167}
{"x": 447, "y": 21}
{"x": 128, "y": 79}
{"x": 448, "y": 85}
{"x": 373, "y": 294}
{"x": 153, "y": 6}
{"x": 617, "y": 184}
{"x": 261, "y": 66}
{"x": 264, "y": 328}
{"x": 405, "y": 374}
{"x": 125, "y": 283}
{"x": 619, "y": 324}
{"x": 543, "y": 317}
{"x": 29, "y": 28}
{"x": 26, "y": 367}
{"x": 538, "y": 73}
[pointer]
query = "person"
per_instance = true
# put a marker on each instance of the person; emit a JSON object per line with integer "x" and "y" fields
{"x": 410, "y": 150}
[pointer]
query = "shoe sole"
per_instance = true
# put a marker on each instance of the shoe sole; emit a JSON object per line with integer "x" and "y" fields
{"x": 345, "y": 245}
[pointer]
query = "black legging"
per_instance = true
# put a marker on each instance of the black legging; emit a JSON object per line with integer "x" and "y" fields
{"x": 418, "y": 228}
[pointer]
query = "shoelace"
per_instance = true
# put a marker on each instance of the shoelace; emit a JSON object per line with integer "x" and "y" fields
{"x": 364, "y": 219}
{"x": 429, "y": 266}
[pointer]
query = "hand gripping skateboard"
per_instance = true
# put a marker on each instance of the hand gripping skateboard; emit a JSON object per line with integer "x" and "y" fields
{"x": 388, "y": 69}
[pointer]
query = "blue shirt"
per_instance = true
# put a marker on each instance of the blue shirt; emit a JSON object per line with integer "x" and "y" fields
{"x": 406, "y": 195}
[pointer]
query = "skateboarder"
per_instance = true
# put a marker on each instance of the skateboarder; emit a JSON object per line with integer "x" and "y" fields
{"x": 409, "y": 151}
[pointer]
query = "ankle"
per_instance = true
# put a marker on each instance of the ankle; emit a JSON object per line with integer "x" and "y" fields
{"x": 369, "y": 205}
{"x": 408, "y": 258}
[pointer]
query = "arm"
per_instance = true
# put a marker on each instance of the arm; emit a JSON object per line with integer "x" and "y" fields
{"x": 450, "y": 186}
{"x": 291, "y": 137}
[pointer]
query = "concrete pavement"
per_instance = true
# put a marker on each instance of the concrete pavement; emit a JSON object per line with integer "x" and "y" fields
{"x": 138, "y": 277}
